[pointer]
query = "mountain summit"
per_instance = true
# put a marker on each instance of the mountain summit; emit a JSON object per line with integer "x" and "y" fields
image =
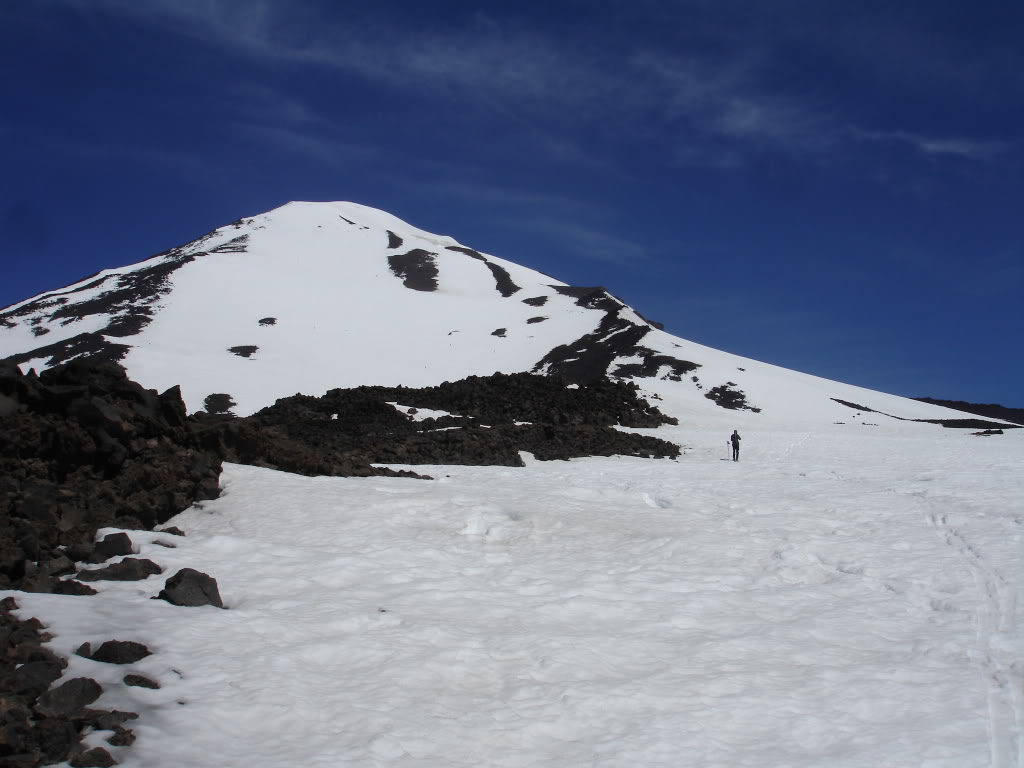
{"x": 313, "y": 296}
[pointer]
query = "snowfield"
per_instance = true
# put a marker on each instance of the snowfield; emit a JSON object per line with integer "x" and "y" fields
{"x": 846, "y": 596}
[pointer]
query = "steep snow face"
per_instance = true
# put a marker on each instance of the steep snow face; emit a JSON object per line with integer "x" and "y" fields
{"x": 312, "y": 296}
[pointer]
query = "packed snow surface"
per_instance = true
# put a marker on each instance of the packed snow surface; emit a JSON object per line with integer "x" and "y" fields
{"x": 842, "y": 597}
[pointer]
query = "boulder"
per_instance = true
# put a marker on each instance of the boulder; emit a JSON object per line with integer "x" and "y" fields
{"x": 97, "y": 757}
{"x": 71, "y": 587}
{"x": 140, "y": 681}
{"x": 129, "y": 569}
{"x": 69, "y": 697}
{"x": 33, "y": 678}
{"x": 112, "y": 545}
{"x": 107, "y": 720}
{"x": 56, "y": 739}
{"x": 115, "y": 652}
{"x": 123, "y": 737}
{"x": 189, "y": 587}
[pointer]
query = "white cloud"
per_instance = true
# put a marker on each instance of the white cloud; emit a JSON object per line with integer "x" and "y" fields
{"x": 720, "y": 104}
{"x": 972, "y": 149}
{"x": 583, "y": 241}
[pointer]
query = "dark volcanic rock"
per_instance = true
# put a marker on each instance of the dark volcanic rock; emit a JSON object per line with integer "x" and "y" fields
{"x": 107, "y": 720}
{"x": 727, "y": 397}
{"x": 653, "y": 364}
{"x": 94, "y": 344}
{"x": 123, "y": 737}
{"x": 82, "y": 447}
{"x": 219, "y": 402}
{"x": 244, "y": 350}
{"x": 69, "y": 697}
{"x": 468, "y": 251}
{"x": 112, "y": 545}
{"x": 115, "y": 652}
{"x": 56, "y": 739}
{"x": 591, "y": 297}
{"x": 71, "y": 587}
{"x": 87, "y": 448}
{"x": 33, "y": 733}
{"x": 947, "y": 423}
{"x": 97, "y": 757}
{"x": 502, "y": 280}
{"x": 589, "y": 357}
{"x": 417, "y": 268}
{"x": 969, "y": 424}
{"x": 33, "y": 678}
{"x": 189, "y": 587}
{"x": 140, "y": 681}
{"x": 358, "y": 426}
{"x": 586, "y": 360}
{"x": 991, "y": 410}
{"x": 125, "y": 300}
{"x": 129, "y": 569}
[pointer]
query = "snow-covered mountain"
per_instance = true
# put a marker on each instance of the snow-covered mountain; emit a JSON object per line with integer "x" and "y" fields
{"x": 312, "y": 296}
{"x": 848, "y": 594}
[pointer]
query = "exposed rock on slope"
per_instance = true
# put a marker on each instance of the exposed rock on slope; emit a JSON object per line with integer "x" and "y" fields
{"x": 123, "y": 303}
{"x": 315, "y": 276}
{"x": 83, "y": 447}
{"x": 991, "y": 410}
{"x": 495, "y": 418}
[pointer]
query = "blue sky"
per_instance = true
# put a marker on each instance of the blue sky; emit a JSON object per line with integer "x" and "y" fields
{"x": 833, "y": 187}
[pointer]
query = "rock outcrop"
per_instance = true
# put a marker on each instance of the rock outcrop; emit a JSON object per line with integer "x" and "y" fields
{"x": 42, "y": 719}
{"x": 81, "y": 448}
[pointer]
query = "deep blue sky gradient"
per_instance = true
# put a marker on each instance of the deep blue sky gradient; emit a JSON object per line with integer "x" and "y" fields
{"x": 829, "y": 186}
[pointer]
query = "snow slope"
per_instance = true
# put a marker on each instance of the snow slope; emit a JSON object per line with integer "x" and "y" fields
{"x": 845, "y": 595}
{"x": 838, "y": 598}
{"x": 313, "y": 296}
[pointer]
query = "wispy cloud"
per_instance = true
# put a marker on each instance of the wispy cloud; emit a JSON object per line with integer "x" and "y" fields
{"x": 972, "y": 149}
{"x": 720, "y": 102}
{"x": 553, "y": 219}
{"x": 325, "y": 149}
{"x": 723, "y": 100}
{"x": 583, "y": 241}
{"x": 443, "y": 183}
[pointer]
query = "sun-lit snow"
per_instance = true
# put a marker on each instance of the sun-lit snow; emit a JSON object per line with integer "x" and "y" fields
{"x": 847, "y": 594}
{"x": 342, "y": 319}
{"x": 836, "y": 598}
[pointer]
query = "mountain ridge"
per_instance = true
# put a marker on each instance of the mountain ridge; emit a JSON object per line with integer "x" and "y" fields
{"x": 310, "y": 297}
{"x": 991, "y": 410}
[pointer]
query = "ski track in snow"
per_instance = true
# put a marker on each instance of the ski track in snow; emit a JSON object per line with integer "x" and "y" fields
{"x": 845, "y": 599}
{"x": 995, "y": 621}
{"x": 998, "y": 639}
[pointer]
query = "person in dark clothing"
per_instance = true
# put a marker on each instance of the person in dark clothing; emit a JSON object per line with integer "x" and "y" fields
{"x": 735, "y": 440}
